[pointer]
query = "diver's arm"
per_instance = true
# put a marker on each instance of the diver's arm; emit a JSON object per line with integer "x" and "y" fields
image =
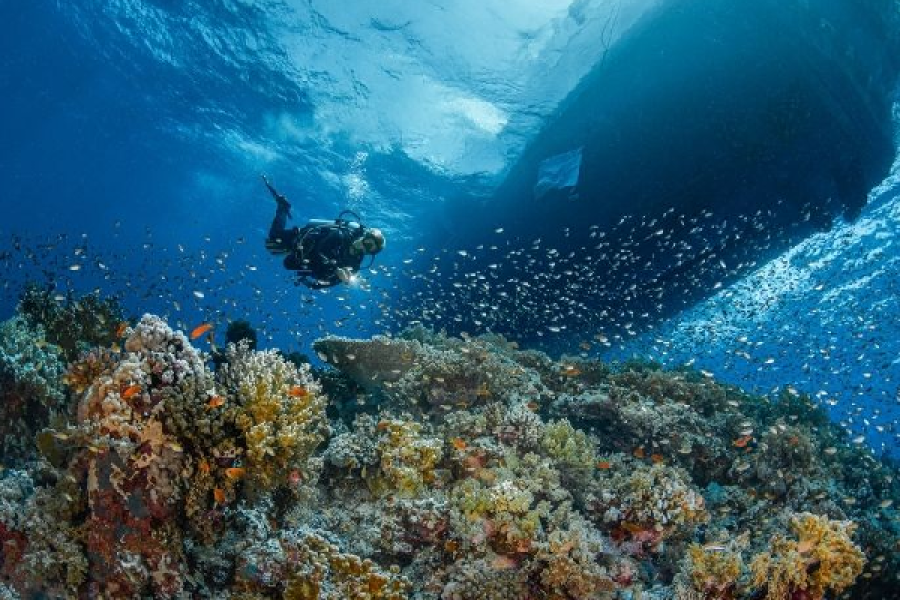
{"x": 329, "y": 249}
{"x": 314, "y": 283}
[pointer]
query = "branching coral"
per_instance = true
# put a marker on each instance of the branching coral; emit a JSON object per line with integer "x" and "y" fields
{"x": 407, "y": 459}
{"x": 822, "y": 558}
{"x": 712, "y": 571}
{"x": 354, "y": 449}
{"x": 644, "y": 504}
{"x": 623, "y": 419}
{"x": 571, "y": 564}
{"x": 281, "y": 413}
{"x": 308, "y": 567}
{"x": 569, "y": 447}
{"x": 486, "y": 579}
{"x": 525, "y": 524}
{"x": 503, "y": 516}
{"x": 784, "y": 459}
{"x": 686, "y": 387}
{"x": 520, "y": 427}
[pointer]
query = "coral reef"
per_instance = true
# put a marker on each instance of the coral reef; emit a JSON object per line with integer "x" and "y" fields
{"x": 407, "y": 459}
{"x": 822, "y": 558}
{"x": 158, "y": 440}
{"x": 240, "y": 330}
{"x": 31, "y": 387}
{"x": 279, "y": 411}
{"x": 41, "y": 550}
{"x": 651, "y": 463}
{"x": 710, "y": 571}
{"x": 568, "y": 446}
{"x": 74, "y": 324}
{"x": 444, "y": 469}
{"x": 645, "y": 504}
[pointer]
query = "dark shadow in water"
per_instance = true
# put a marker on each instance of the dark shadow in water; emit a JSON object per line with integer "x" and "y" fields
{"x": 774, "y": 117}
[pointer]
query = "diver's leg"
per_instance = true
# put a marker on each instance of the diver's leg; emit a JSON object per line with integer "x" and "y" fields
{"x": 280, "y": 199}
{"x": 278, "y": 229}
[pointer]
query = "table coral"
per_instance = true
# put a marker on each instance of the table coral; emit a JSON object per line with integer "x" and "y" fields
{"x": 432, "y": 374}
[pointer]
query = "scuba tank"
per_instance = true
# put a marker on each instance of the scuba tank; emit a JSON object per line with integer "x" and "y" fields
{"x": 340, "y": 221}
{"x": 316, "y": 223}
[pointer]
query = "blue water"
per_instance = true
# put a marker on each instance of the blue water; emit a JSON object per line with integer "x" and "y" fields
{"x": 135, "y": 133}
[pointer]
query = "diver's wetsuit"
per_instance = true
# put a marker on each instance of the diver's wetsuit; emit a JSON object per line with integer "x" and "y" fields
{"x": 316, "y": 252}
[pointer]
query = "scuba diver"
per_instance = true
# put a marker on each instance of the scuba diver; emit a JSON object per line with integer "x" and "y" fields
{"x": 323, "y": 252}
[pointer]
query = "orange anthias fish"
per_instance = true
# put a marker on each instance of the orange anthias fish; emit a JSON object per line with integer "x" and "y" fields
{"x": 604, "y": 464}
{"x": 235, "y": 472}
{"x": 219, "y": 495}
{"x": 215, "y": 402}
{"x": 742, "y": 441}
{"x": 298, "y": 391}
{"x": 120, "y": 329}
{"x": 458, "y": 443}
{"x": 130, "y": 391}
{"x": 200, "y": 330}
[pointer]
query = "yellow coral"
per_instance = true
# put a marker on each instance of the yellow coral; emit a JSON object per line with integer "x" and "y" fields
{"x": 713, "y": 571}
{"x": 568, "y": 446}
{"x": 822, "y": 558}
{"x": 656, "y": 498}
{"x": 570, "y": 568}
{"x": 280, "y": 413}
{"x": 328, "y": 574}
{"x": 408, "y": 460}
{"x": 504, "y": 514}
